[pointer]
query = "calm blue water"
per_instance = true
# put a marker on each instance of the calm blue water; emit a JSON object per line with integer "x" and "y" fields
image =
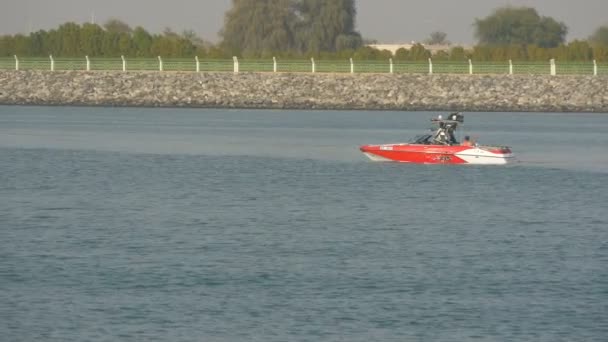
{"x": 214, "y": 225}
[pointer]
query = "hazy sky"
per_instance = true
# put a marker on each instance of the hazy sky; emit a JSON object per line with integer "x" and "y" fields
{"x": 389, "y": 21}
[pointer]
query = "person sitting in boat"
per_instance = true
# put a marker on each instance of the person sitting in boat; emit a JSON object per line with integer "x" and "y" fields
{"x": 439, "y": 138}
{"x": 467, "y": 141}
{"x": 452, "y": 138}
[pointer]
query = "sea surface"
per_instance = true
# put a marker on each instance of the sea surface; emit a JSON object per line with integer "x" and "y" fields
{"x": 240, "y": 225}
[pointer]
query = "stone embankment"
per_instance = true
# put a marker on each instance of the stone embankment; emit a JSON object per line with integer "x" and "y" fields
{"x": 307, "y": 91}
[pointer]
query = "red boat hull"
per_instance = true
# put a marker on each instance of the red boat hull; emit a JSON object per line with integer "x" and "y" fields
{"x": 438, "y": 154}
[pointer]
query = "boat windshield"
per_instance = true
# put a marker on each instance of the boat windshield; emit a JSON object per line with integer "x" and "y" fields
{"x": 423, "y": 139}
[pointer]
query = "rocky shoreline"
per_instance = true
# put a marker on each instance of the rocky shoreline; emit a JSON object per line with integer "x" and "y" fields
{"x": 530, "y": 93}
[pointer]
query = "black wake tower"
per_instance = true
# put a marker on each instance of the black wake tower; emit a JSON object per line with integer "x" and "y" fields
{"x": 444, "y": 133}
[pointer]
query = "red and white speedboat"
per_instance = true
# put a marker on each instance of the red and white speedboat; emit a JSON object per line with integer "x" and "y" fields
{"x": 440, "y": 147}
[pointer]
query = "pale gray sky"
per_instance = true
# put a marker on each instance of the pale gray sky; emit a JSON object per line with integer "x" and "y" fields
{"x": 389, "y": 21}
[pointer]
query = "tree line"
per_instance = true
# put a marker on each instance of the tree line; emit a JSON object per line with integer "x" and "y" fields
{"x": 113, "y": 39}
{"x": 301, "y": 29}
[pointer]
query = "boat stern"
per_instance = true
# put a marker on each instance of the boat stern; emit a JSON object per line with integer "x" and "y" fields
{"x": 488, "y": 155}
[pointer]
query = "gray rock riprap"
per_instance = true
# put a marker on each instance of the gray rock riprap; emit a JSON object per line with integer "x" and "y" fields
{"x": 319, "y": 91}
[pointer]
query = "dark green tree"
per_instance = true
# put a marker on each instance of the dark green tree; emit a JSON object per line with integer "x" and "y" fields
{"x": 197, "y": 41}
{"x": 142, "y": 42}
{"x": 519, "y": 25}
{"x": 125, "y": 44}
{"x": 109, "y": 44}
{"x": 536, "y": 53}
{"x": 169, "y": 33}
{"x": 6, "y": 45}
{"x": 171, "y": 44}
{"x": 499, "y": 53}
{"x": 600, "y": 36}
{"x": 70, "y": 40}
{"x": 37, "y": 43}
{"x": 114, "y": 25}
{"x": 600, "y": 53}
{"x": 441, "y": 55}
{"x": 366, "y": 53}
{"x": 15, "y": 45}
{"x": 516, "y": 52}
{"x": 457, "y": 53}
{"x": 254, "y": 27}
{"x": 579, "y": 50}
{"x": 265, "y": 27}
{"x": 437, "y": 38}
{"x": 419, "y": 53}
{"x": 91, "y": 38}
{"x": 347, "y": 42}
{"x": 53, "y": 42}
{"x": 327, "y": 25}
{"x": 402, "y": 54}
{"x": 482, "y": 53}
